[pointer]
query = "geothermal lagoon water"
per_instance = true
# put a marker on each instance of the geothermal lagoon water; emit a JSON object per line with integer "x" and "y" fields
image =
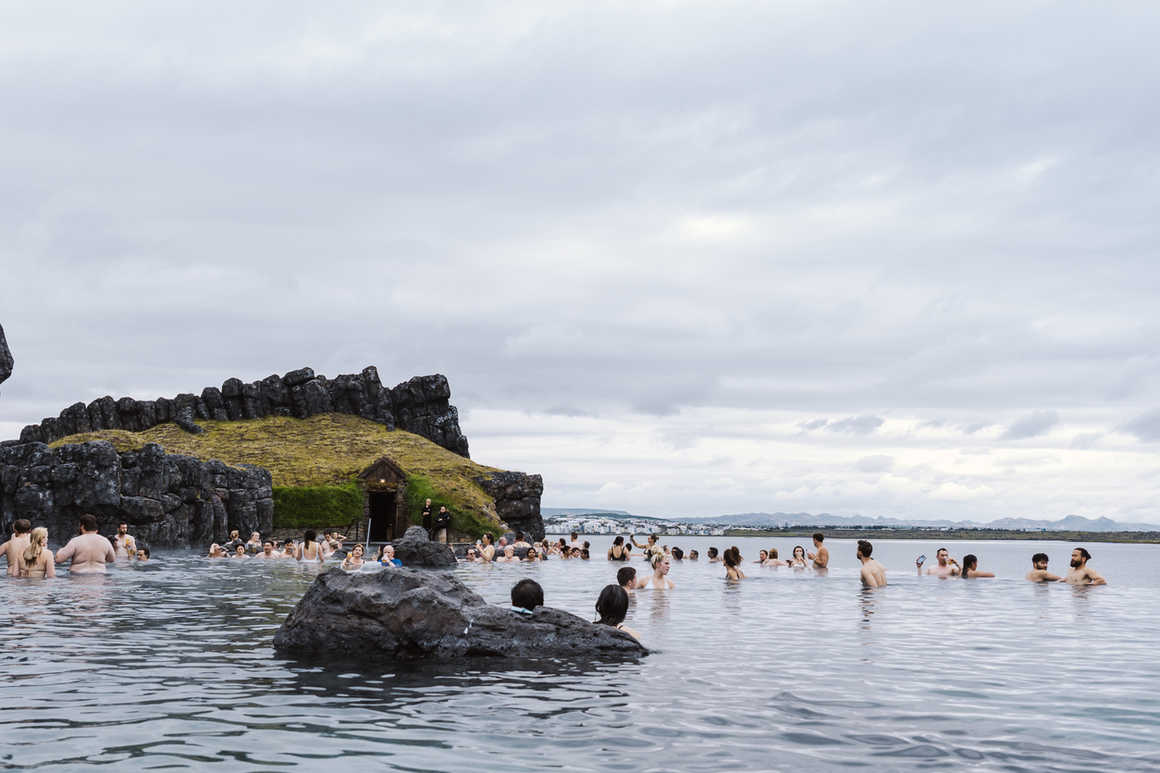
{"x": 170, "y": 665}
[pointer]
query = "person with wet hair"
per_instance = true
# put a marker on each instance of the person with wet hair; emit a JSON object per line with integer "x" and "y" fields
{"x": 773, "y": 560}
{"x": 36, "y": 561}
{"x": 970, "y": 568}
{"x": 532, "y": 556}
{"x": 267, "y": 551}
{"x": 584, "y": 554}
{"x": 310, "y": 550}
{"x": 733, "y": 565}
{"x": 88, "y": 551}
{"x": 217, "y": 551}
{"x": 660, "y": 577}
{"x": 486, "y": 549}
{"x": 873, "y": 574}
{"x": 617, "y": 552}
{"x": 240, "y": 551}
{"x": 612, "y": 608}
{"x": 693, "y": 555}
{"x": 1080, "y": 573}
{"x": 626, "y": 578}
{"x": 821, "y": 559}
{"x": 526, "y": 596}
{"x": 799, "y": 557}
{"x": 354, "y": 559}
{"x": 14, "y": 548}
{"x": 713, "y": 557}
{"x": 678, "y": 554}
{"x": 1039, "y": 571}
{"x": 143, "y": 553}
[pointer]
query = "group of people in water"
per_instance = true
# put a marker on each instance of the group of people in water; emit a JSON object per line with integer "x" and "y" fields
{"x": 87, "y": 553}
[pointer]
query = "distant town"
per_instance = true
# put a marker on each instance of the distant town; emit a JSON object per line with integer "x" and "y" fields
{"x": 600, "y": 523}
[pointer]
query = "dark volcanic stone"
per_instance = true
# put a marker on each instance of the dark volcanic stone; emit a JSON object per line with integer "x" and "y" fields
{"x": 298, "y": 377}
{"x": 407, "y": 614}
{"x": 6, "y": 360}
{"x": 416, "y": 549}
{"x": 517, "y": 500}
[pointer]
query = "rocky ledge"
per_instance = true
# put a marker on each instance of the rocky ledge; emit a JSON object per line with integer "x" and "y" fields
{"x": 408, "y": 614}
{"x": 420, "y": 405}
{"x": 168, "y": 500}
{"x": 416, "y": 549}
{"x": 517, "y": 500}
{"x": 6, "y": 361}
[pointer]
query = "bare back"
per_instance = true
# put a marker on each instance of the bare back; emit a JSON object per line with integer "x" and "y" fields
{"x": 43, "y": 566}
{"x": 14, "y": 550}
{"x": 89, "y": 553}
{"x": 873, "y": 574}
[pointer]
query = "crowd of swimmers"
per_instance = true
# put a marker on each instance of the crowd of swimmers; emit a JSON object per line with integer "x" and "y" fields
{"x": 87, "y": 553}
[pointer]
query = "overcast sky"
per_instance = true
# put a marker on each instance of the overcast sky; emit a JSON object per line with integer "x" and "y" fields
{"x": 887, "y": 258}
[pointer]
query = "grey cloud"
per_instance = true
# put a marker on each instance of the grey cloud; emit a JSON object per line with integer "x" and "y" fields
{"x": 813, "y": 424}
{"x": 1145, "y": 427}
{"x": 856, "y": 425}
{"x": 1032, "y": 425}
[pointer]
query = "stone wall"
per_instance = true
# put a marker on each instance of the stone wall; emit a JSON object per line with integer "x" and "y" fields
{"x": 6, "y": 361}
{"x": 517, "y": 500}
{"x": 168, "y": 500}
{"x": 419, "y": 405}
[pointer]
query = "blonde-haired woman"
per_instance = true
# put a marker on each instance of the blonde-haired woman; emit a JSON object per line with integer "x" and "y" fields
{"x": 660, "y": 576}
{"x": 37, "y": 558}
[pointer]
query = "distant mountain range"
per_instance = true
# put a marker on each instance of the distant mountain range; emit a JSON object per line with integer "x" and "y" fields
{"x": 777, "y": 520}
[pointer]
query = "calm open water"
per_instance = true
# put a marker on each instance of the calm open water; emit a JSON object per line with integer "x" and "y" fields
{"x": 170, "y": 665}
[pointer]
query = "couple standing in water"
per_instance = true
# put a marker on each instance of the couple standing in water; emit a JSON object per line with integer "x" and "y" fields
{"x": 28, "y": 554}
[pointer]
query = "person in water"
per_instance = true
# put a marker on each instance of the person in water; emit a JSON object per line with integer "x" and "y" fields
{"x": 713, "y": 557}
{"x": 310, "y": 549}
{"x": 36, "y": 561}
{"x": 142, "y": 552}
{"x": 254, "y": 545}
{"x": 124, "y": 545}
{"x": 660, "y": 576}
{"x": 873, "y": 573}
{"x": 14, "y": 548}
{"x": 1039, "y": 571}
{"x": 693, "y": 554}
{"x": 508, "y": 557}
{"x": 217, "y": 551}
{"x": 733, "y": 565}
{"x": 626, "y": 578}
{"x": 617, "y": 551}
{"x": 821, "y": 559}
{"x": 88, "y": 551}
{"x": 486, "y": 549}
{"x": 970, "y": 568}
{"x": 612, "y": 608}
{"x": 388, "y": 556}
{"x": 354, "y": 559}
{"x": 799, "y": 557}
{"x": 526, "y": 596}
{"x": 240, "y": 551}
{"x": 945, "y": 566}
{"x": 1081, "y": 573}
{"x": 233, "y": 542}
{"x": 532, "y": 555}
{"x": 267, "y": 551}
{"x": 773, "y": 560}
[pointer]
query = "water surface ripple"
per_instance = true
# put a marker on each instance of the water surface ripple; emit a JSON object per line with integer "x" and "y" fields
{"x": 170, "y": 665}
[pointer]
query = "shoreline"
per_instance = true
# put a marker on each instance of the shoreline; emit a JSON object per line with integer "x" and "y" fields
{"x": 1125, "y": 537}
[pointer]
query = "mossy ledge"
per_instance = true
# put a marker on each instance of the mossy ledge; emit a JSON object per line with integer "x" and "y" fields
{"x": 315, "y": 463}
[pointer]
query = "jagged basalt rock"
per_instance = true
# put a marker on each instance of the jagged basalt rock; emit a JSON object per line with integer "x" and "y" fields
{"x": 168, "y": 500}
{"x": 408, "y": 614}
{"x": 416, "y": 549}
{"x": 517, "y": 500}
{"x": 420, "y": 405}
{"x": 6, "y": 360}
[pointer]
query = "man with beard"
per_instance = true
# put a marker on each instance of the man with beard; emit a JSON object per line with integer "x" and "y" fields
{"x": 1080, "y": 574}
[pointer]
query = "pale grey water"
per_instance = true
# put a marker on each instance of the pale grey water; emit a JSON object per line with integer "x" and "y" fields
{"x": 171, "y": 666}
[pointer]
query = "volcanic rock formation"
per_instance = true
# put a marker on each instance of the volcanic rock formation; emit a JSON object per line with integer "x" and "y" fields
{"x": 167, "y": 500}
{"x": 6, "y": 361}
{"x": 517, "y": 500}
{"x": 416, "y": 549}
{"x": 408, "y": 614}
{"x": 420, "y": 405}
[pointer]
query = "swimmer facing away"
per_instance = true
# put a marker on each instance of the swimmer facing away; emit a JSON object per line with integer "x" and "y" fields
{"x": 873, "y": 573}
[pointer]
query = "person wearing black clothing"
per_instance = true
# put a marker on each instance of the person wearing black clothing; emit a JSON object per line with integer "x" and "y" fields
{"x": 427, "y": 520}
{"x": 442, "y": 523}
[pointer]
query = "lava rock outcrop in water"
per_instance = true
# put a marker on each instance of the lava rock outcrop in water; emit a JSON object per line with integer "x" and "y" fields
{"x": 6, "y": 361}
{"x": 416, "y": 549}
{"x": 409, "y": 614}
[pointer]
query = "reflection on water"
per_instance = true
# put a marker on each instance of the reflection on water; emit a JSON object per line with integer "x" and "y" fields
{"x": 173, "y": 667}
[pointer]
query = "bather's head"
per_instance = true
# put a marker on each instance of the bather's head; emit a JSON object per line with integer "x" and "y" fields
{"x": 527, "y": 594}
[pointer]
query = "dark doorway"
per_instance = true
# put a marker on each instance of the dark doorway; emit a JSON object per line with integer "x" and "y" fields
{"x": 382, "y": 511}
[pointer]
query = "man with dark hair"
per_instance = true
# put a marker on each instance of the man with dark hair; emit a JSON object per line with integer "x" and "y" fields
{"x": 267, "y": 550}
{"x": 713, "y": 557}
{"x": 88, "y": 550}
{"x": 1080, "y": 574}
{"x": 873, "y": 573}
{"x": 142, "y": 552}
{"x": 626, "y": 578}
{"x": 124, "y": 545}
{"x": 15, "y": 547}
{"x": 521, "y": 541}
{"x": 945, "y": 566}
{"x": 822, "y": 558}
{"x": 526, "y": 596}
{"x": 442, "y": 524}
{"x": 1039, "y": 573}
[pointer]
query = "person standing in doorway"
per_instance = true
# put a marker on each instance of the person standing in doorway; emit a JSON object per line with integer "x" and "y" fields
{"x": 442, "y": 524}
{"x": 427, "y": 520}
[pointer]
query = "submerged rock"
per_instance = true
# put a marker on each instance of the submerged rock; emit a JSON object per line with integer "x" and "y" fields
{"x": 416, "y": 549}
{"x": 404, "y": 614}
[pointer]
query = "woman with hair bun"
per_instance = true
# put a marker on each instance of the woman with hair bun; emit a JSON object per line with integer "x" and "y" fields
{"x": 660, "y": 577}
